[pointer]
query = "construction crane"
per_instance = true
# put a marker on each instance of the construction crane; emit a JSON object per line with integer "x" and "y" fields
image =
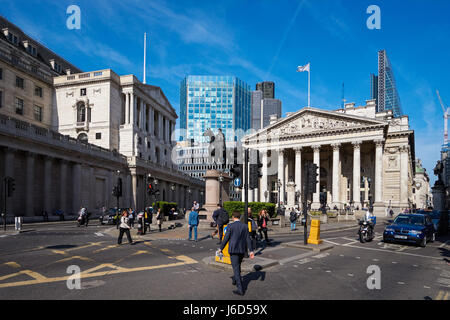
{"x": 446, "y": 116}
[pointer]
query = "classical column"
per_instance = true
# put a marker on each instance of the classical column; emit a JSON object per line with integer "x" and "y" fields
{"x": 47, "y": 184}
{"x": 316, "y": 160}
{"x": 281, "y": 175}
{"x": 29, "y": 201}
{"x": 63, "y": 186}
{"x": 298, "y": 170}
{"x": 160, "y": 129}
{"x": 134, "y": 191}
{"x": 378, "y": 171}
{"x": 76, "y": 179}
{"x": 336, "y": 174}
{"x": 132, "y": 109}
{"x": 357, "y": 174}
{"x": 263, "y": 185}
{"x": 404, "y": 180}
{"x": 366, "y": 190}
{"x": 92, "y": 190}
{"x": 127, "y": 108}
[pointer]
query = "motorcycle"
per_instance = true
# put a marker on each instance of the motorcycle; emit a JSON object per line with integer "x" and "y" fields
{"x": 365, "y": 232}
{"x": 81, "y": 220}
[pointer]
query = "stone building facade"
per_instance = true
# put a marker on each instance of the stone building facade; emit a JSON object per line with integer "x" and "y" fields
{"x": 67, "y": 135}
{"x": 365, "y": 158}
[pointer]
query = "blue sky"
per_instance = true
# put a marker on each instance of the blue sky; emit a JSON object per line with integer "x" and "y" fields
{"x": 259, "y": 40}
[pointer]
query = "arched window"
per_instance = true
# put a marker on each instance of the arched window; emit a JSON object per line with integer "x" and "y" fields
{"x": 81, "y": 112}
{"x": 82, "y": 137}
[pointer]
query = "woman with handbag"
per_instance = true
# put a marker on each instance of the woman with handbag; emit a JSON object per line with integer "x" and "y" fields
{"x": 160, "y": 218}
{"x": 262, "y": 224}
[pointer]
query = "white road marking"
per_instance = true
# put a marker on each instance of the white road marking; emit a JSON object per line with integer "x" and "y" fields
{"x": 99, "y": 234}
{"x": 427, "y": 287}
{"x": 336, "y": 244}
{"x": 394, "y": 252}
{"x": 350, "y": 274}
{"x": 444, "y": 244}
{"x": 400, "y": 282}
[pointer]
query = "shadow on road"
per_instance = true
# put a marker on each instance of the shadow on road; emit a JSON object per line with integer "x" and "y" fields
{"x": 253, "y": 276}
{"x": 62, "y": 246}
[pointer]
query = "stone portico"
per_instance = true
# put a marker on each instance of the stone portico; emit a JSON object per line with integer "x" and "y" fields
{"x": 365, "y": 158}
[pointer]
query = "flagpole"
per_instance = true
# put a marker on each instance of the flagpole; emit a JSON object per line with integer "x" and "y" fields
{"x": 309, "y": 86}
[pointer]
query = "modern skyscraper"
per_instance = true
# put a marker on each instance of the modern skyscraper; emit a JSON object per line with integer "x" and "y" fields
{"x": 262, "y": 109}
{"x": 267, "y": 88}
{"x": 388, "y": 98}
{"x": 374, "y": 88}
{"x": 213, "y": 102}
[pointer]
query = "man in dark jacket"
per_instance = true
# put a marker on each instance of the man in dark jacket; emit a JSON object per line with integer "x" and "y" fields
{"x": 238, "y": 237}
{"x": 220, "y": 217}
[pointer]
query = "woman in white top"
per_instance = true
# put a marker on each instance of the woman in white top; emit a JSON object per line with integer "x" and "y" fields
{"x": 124, "y": 228}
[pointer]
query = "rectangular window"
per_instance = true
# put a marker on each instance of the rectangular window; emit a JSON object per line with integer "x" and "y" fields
{"x": 38, "y": 91}
{"x": 13, "y": 38}
{"x": 19, "y": 106}
{"x": 38, "y": 113}
{"x": 98, "y": 136}
{"x": 1, "y": 74}
{"x": 83, "y": 92}
{"x": 20, "y": 83}
{"x": 1, "y": 99}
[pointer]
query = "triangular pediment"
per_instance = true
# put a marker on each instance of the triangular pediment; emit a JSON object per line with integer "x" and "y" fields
{"x": 311, "y": 120}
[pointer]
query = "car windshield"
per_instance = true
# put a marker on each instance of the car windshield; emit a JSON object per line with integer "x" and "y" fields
{"x": 414, "y": 220}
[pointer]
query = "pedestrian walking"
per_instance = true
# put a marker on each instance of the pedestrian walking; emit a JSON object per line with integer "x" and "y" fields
{"x": 293, "y": 219}
{"x": 193, "y": 224}
{"x": 124, "y": 228}
{"x": 160, "y": 218}
{"x": 263, "y": 220}
{"x": 238, "y": 237}
{"x": 131, "y": 217}
{"x": 222, "y": 218}
{"x": 253, "y": 228}
{"x": 196, "y": 206}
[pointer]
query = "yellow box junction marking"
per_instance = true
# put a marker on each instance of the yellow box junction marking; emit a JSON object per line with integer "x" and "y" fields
{"x": 12, "y": 264}
{"x": 442, "y": 295}
{"x": 90, "y": 273}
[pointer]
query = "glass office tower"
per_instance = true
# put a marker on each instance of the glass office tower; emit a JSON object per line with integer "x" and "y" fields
{"x": 388, "y": 98}
{"x": 214, "y": 102}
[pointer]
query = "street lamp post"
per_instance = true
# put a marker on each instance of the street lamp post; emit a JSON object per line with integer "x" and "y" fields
{"x": 220, "y": 188}
{"x": 119, "y": 189}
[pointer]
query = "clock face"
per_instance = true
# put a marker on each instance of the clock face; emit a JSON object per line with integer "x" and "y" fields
{"x": 418, "y": 185}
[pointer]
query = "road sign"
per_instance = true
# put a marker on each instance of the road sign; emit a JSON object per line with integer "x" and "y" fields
{"x": 237, "y": 182}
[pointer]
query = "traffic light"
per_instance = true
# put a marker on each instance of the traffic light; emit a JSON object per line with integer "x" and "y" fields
{"x": 149, "y": 188}
{"x": 255, "y": 172}
{"x": 114, "y": 192}
{"x": 11, "y": 186}
{"x": 119, "y": 187}
{"x": 237, "y": 171}
{"x": 312, "y": 177}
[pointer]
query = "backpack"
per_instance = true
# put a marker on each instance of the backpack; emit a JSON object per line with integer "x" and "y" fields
{"x": 293, "y": 217}
{"x": 223, "y": 218}
{"x": 254, "y": 225}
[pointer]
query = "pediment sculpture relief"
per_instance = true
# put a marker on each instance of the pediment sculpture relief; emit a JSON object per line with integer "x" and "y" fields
{"x": 310, "y": 123}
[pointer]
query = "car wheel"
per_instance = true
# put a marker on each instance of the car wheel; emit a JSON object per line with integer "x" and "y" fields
{"x": 423, "y": 244}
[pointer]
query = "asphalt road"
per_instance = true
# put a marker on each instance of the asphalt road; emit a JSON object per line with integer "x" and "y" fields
{"x": 36, "y": 265}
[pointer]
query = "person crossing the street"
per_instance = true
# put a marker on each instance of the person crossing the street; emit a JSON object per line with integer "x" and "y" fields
{"x": 238, "y": 237}
{"x": 124, "y": 228}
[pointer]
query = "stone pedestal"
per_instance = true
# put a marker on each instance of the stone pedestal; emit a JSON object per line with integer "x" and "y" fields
{"x": 438, "y": 192}
{"x": 379, "y": 209}
{"x": 290, "y": 186}
{"x": 212, "y": 194}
